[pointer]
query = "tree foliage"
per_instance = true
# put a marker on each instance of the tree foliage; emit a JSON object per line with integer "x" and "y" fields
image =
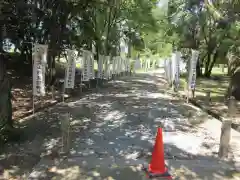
{"x": 210, "y": 27}
{"x": 73, "y": 24}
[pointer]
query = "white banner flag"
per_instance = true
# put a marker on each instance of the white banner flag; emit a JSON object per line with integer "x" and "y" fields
{"x": 174, "y": 59}
{"x": 90, "y": 65}
{"x": 163, "y": 5}
{"x": 154, "y": 63}
{"x": 192, "y": 73}
{"x": 110, "y": 71}
{"x": 100, "y": 67}
{"x": 85, "y": 76}
{"x": 39, "y": 65}
{"x": 128, "y": 63}
{"x": 118, "y": 64}
{"x": 177, "y": 68}
{"x": 123, "y": 64}
{"x": 137, "y": 64}
{"x": 169, "y": 70}
{"x": 70, "y": 70}
{"x": 148, "y": 63}
{"x": 145, "y": 64}
{"x": 106, "y": 67}
{"x": 109, "y": 67}
{"x": 165, "y": 68}
{"x": 114, "y": 67}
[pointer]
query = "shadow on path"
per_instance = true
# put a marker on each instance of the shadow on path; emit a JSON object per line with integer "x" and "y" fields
{"x": 113, "y": 131}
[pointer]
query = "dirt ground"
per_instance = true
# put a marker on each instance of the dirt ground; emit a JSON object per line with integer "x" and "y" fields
{"x": 113, "y": 131}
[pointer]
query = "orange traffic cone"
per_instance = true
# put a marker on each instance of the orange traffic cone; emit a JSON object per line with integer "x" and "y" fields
{"x": 157, "y": 166}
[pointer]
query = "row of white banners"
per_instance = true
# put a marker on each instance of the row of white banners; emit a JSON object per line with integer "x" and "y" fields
{"x": 172, "y": 69}
{"x": 105, "y": 68}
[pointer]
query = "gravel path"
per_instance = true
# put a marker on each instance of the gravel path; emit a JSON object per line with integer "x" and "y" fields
{"x": 113, "y": 132}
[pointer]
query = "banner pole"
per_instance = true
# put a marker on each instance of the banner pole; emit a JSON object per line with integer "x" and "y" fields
{"x": 33, "y": 107}
{"x": 33, "y": 98}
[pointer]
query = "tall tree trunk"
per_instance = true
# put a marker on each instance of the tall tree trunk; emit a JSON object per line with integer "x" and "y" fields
{"x": 5, "y": 91}
{"x": 5, "y": 96}
{"x": 215, "y": 56}
{"x": 234, "y": 72}
{"x": 52, "y": 50}
{"x": 129, "y": 47}
{"x": 208, "y": 60}
{"x": 198, "y": 68}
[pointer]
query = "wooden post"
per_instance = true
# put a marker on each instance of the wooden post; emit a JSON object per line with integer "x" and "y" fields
{"x": 223, "y": 66}
{"x": 186, "y": 90}
{"x": 97, "y": 82}
{"x": 208, "y": 99}
{"x": 33, "y": 97}
{"x": 225, "y": 138}
{"x": 169, "y": 107}
{"x": 232, "y": 107}
{"x": 173, "y": 85}
{"x": 175, "y": 88}
{"x": 65, "y": 128}
{"x": 53, "y": 92}
{"x": 81, "y": 88}
{"x": 63, "y": 91}
{"x": 165, "y": 88}
{"x": 226, "y": 129}
{"x": 193, "y": 93}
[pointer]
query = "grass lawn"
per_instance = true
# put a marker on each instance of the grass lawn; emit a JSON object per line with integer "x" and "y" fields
{"x": 217, "y": 85}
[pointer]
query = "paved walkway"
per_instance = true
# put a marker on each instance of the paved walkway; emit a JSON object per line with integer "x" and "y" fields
{"x": 113, "y": 131}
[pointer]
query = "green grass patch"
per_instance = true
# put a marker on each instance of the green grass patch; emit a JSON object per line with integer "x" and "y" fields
{"x": 217, "y": 84}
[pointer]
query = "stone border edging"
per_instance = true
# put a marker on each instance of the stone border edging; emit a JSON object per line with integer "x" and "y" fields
{"x": 195, "y": 103}
{"x": 51, "y": 104}
{"x": 210, "y": 112}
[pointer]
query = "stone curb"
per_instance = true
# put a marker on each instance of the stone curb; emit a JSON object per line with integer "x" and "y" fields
{"x": 197, "y": 104}
{"x": 209, "y": 112}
